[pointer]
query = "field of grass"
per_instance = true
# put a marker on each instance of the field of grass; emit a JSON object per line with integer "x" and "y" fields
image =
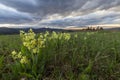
{"x": 59, "y": 56}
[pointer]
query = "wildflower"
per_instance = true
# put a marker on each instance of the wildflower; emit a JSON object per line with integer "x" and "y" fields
{"x": 14, "y": 53}
{"x": 46, "y": 34}
{"x": 54, "y": 35}
{"x": 41, "y": 42}
{"x": 22, "y": 33}
{"x": 75, "y": 35}
{"x": 85, "y": 38}
{"x": 41, "y": 36}
{"x": 35, "y": 50}
{"x": 30, "y": 30}
{"x": 19, "y": 55}
{"x": 67, "y": 36}
{"x": 25, "y": 43}
{"x": 33, "y": 42}
{"x": 88, "y": 33}
{"x": 24, "y": 60}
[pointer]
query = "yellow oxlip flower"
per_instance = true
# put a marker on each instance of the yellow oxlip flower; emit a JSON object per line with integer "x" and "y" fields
{"x": 14, "y": 53}
{"x": 34, "y": 44}
{"x": 54, "y": 35}
{"x": 46, "y": 34}
{"x": 67, "y": 36}
{"x": 76, "y": 36}
{"x": 24, "y": 60}
{"x": 19, "y": 55}
{"x": 24, "y": 43}
{"x": 85, "y": 38}
{"x": 35, "y": 50}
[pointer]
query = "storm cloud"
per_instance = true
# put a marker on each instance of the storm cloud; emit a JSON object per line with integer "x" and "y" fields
{"x": 60, "y": 12}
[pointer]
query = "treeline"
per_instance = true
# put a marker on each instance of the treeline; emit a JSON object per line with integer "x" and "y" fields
{"x": 92, "y": 28}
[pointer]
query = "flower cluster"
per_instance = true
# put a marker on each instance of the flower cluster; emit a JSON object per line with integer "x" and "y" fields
{"x": 34, "y": 44}
{"x": 29, "y": 40}
{"x": 20, "y": 57}
{"x": 65, "y": 36}
{"x": 75, "y": 35}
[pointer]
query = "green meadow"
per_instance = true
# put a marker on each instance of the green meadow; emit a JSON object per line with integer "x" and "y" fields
{"x": 60, "y": 56}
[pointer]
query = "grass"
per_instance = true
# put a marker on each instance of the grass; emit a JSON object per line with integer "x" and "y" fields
{"x": 9, "y": 43}
{"x": 85, "y": 56}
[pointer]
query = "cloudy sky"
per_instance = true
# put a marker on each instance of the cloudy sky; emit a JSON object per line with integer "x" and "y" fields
{"x": 59, "y": 13}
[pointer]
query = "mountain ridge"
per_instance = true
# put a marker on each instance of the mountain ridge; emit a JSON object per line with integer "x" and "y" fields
{"x": 6, "y": 30}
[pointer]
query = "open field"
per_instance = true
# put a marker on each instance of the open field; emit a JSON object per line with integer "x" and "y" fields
{"x": 59, "y": 56}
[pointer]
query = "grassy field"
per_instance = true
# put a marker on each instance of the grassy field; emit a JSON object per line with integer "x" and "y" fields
{"x": 8, "y": 43}
{"x": 69, "y": 56}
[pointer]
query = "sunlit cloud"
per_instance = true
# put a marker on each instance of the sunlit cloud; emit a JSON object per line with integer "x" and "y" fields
{"x": 59, "y": 13}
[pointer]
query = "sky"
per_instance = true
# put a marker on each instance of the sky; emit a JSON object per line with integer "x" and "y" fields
{"x": 59, "y": 13}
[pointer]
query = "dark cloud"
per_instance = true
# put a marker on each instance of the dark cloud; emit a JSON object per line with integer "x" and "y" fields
{"x": 21, "y": 5}
{"x": 29, "y": 10}
{"x": 10, "y": 15}
{"x": 44, "y": 7}
{"x": 99, "y": 17}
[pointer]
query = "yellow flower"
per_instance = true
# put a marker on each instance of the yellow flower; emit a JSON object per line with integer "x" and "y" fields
{"x": 46, "y": 34}
{"x": 19, "y": 55}
{"x": 14, "y": 53}
{"x": 85, "y": 38}
{"x": 75, "y": 35}
{"x": 35, "y": 50}
{"x": 24, "y": 43}
{"x": 67, "y": 36}
{"x": 33, "y": 42}
{"x": 30, "y": 30}
{"x": 54, "y": 35}
{"x": 24, "y": 60}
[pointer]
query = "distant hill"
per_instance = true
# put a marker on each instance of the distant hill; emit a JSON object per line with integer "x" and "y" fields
{"x": 5, "y": 30}
{"x": 115, "y": 29}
